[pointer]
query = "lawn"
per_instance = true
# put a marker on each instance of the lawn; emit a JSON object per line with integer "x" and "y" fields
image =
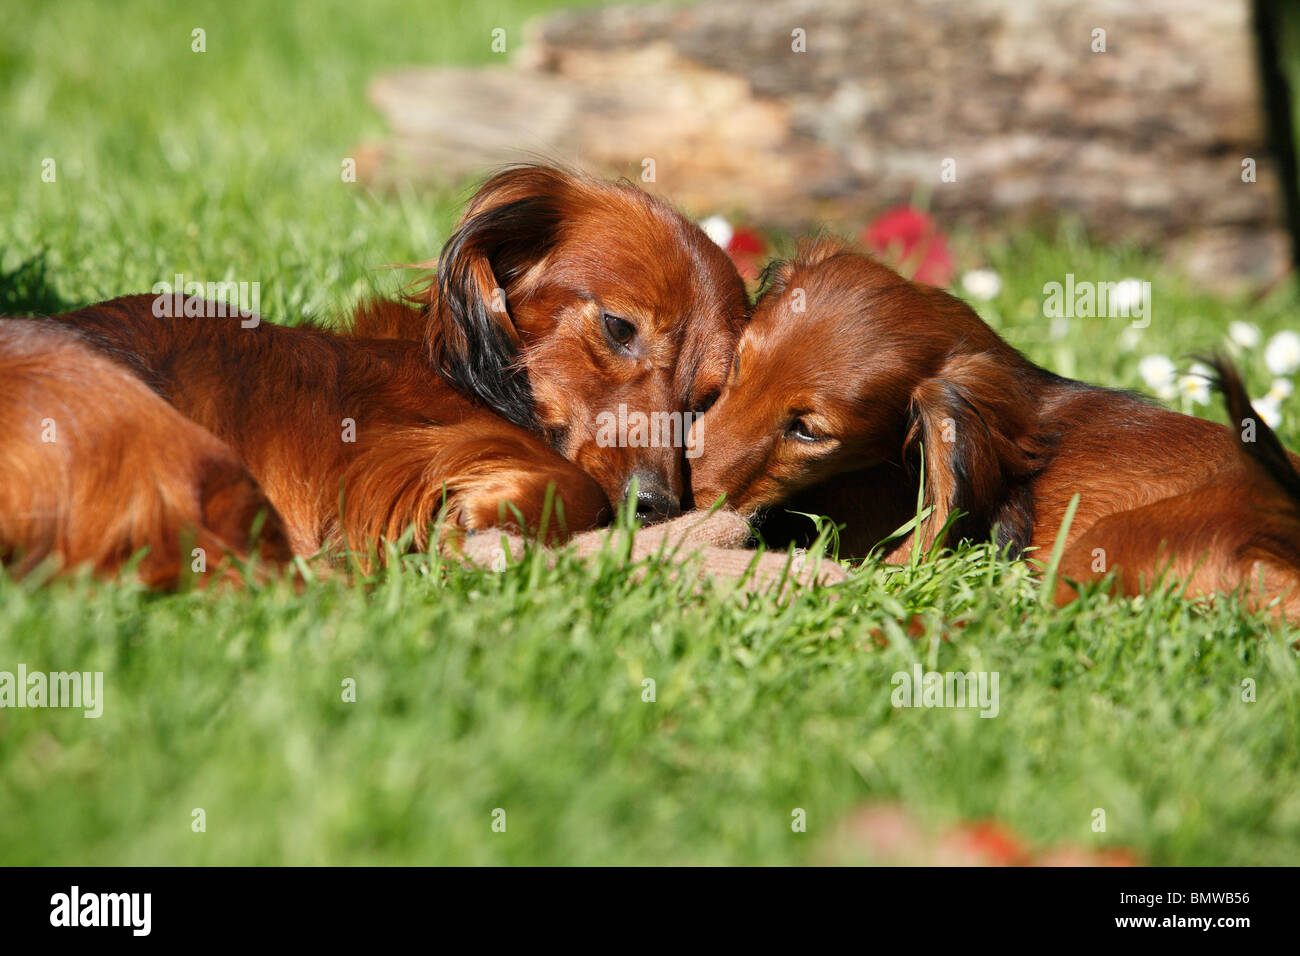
{"x": 522, "y": 691}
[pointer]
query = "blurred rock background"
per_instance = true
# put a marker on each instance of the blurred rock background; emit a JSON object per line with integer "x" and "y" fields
{"x": 1145, "y": 123}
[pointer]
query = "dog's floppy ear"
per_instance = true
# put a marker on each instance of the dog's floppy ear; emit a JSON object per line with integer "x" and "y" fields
{"x": 511, "y": 224}
{"x": 975, "y": 420}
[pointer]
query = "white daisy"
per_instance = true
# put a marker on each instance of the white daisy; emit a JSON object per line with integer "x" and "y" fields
{"x": 1282, "y": 356}
{"x": 1269, "y": 410}
{"x": 1195, "y": 388}
{"x": 1130, "y": 338}
{"x": 1158, "y": 373}
{"x": 1280, "y": 390}
{"x": 1245, "y": 334}
{"x": 718, "y": 229}
{"x": 1127, "y": 297}
{"x": 981, "y": 284}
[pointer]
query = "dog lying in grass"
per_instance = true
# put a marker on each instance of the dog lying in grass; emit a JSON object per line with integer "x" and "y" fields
{"x": 97, "y": 467}
{"x": 850, "y": 383}
{"x": 559, "y": 300}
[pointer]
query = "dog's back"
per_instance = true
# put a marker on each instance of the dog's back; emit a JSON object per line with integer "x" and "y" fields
{"x": 95, "y": 466}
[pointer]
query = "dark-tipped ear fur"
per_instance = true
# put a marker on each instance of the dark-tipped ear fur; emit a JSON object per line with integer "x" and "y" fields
{"x": 512, "y": 223}
{"x": 975, "y": 420}
{"x": 1265, "y": 451}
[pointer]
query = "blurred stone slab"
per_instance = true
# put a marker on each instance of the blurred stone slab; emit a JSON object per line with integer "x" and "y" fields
{"x": 1141, "y": 143}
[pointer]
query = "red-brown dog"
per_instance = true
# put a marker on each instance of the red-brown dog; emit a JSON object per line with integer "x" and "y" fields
{"x": 95, "y": 467}
{"x": 558, "y": 299}
{"x": 848, "y": 377}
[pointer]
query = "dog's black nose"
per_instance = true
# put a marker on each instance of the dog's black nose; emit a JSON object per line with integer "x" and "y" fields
{"x": 654, "y": 502}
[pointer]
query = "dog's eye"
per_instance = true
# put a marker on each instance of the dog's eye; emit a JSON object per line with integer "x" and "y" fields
{"x": 799, "y": 430}
{"x": 620, "y": 331}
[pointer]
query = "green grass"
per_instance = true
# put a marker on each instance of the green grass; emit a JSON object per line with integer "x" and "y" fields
{"x": 523, "y": 690}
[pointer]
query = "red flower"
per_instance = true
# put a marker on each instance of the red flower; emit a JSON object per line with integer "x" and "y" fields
{"x": 891, "y": 834}
{"x": 910, "y": 240}
{"x": 746, "y": 240}
{"x": 988, "y": 844}
{"x": 747, "y": 249}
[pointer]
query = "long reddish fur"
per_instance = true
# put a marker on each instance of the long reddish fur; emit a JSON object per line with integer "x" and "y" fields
{"x": 478, "y": 396}
{"x": 900, "y": 379}
{"x": 95, "y": 467}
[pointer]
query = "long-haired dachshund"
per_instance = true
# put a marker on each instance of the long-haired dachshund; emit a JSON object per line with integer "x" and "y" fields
{"x": 558, "y": 299}
{"x": 850, "y": 381}
{"x": 96, "y": 467}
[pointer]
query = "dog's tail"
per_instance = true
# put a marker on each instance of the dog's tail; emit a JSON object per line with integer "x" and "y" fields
{"x": 1262, "y": 447}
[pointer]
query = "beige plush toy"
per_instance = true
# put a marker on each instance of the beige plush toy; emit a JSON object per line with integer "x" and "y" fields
{"x": 702, "y": 544}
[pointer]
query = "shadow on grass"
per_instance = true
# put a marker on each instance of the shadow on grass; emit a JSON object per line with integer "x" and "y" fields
{"x": 26, "y": 290}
